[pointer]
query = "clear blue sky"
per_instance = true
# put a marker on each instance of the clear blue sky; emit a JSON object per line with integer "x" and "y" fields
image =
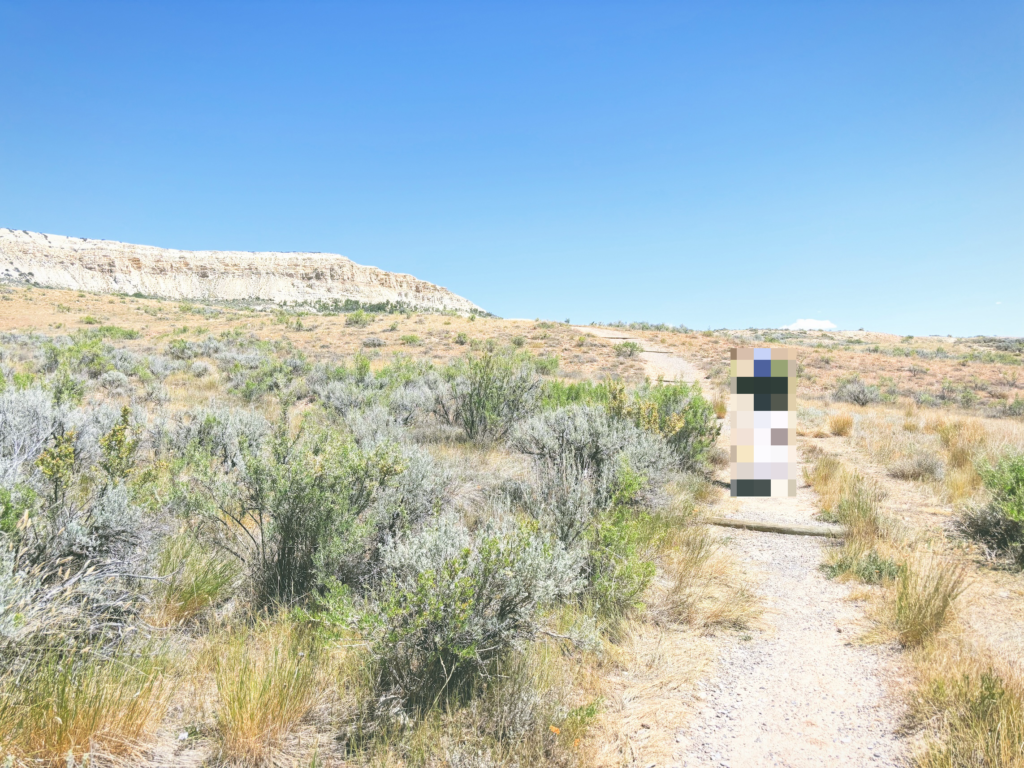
{"x": 717, "y": 164}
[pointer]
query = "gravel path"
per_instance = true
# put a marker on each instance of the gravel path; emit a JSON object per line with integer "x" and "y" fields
{"x": 803, "y": 690}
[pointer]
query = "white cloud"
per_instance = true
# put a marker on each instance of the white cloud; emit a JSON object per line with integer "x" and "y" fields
{"x": 810, "y": 325}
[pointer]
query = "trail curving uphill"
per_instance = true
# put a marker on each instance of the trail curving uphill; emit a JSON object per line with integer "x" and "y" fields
{"x": 659, "y": 363}
{"x": 803, "y": 690}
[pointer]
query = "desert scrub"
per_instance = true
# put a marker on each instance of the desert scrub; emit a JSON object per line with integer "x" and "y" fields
{"x": 486, "y": 395}
{"x": 267, "y": 680}
{"x": 678, "y": 412}
{"x": 585, "y": 446}
{"x": 852, "y": 390}
{"x": 920, "y": 464}
{"x": 293, "y": 515}
{"x": 998, "y": 525}
{"x": 628, "y": 349}
{"x": 359, "y": 318}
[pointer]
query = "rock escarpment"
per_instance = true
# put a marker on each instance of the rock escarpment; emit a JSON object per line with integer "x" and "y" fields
{"x": 107, "y": 266}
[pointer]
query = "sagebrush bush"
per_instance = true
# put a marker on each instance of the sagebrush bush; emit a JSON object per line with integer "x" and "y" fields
{"x": 487, "y": 395}
{"x": 294, "y": 515}
{"x": 200, "y": 369}
{"x": 853, "y": 390}
{"x": 26, "y": 421}
{"x": 594, "y": 444}
{"x": 919, "y": 465}
{"x": 452, "y": 603}
{"x": 115, "y": 382}
{"x": 226, "y": 433}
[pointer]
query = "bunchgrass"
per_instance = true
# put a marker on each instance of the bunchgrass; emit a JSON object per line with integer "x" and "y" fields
{"x": 840, "y": 424}
{"x": 268, "y": 679}
{"x": 63, "y": 702}
{"x": 926, "y": 590}
{"x": 193, "y": 578}
{"x": 970, "y": 710}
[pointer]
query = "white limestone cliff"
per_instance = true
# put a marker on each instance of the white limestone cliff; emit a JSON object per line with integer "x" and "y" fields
{"x": 107, "y": 266}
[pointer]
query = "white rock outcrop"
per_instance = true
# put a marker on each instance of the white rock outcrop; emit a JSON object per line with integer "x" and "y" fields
{"x": 107, "y": 266}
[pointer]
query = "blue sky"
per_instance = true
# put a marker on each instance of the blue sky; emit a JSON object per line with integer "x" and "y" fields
{"x": 717, "y": 164}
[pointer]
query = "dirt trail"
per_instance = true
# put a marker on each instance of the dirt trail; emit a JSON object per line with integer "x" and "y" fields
{"x": 802, "y": 690}
{"x": 658, "y": 361}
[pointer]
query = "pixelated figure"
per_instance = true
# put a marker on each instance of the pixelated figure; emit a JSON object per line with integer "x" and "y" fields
{"x": 762, "y": 413}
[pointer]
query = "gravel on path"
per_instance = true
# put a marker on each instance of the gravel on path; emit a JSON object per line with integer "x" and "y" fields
{"x": 803, "y": 691}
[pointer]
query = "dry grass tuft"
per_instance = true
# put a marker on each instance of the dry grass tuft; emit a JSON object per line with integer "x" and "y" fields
{"x": 926, "y": 589}
{"x": 721, "y": 406}
{"x": 98, "y": 700}
{"x": 267, "y": 680}
{"x": 970, "y": 709}
{"x": 704, "y": 589}
{"x": 961, "y": 484}
{"x": 840, "y": 424}
{"x": 193, "y": 579}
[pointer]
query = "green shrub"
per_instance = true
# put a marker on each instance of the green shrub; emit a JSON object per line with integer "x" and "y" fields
{"x": 518, "y": 341}
{"x": 546, "y": 365}
{"x": 359, "y": 318}
{"x": 410, "y": 339}
{"x": 1005, "y": 481}
{"x": 678, "y": 412}
{"x": 870, "y": 568}
{"x": 292, "y": 517}
{"x": 628, "y": 349}
{"x": 486, "y": 395}
{"x": 999, "y": 524}
{"x": 558, "y": 394}
{"x": 461, "y": 338}
{"x": 89, "y": 320}
{"x": 621, "y": 563}
{"x": 116, "y": 333}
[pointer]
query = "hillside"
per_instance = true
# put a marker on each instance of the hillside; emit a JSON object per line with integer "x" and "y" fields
{"x": 108, "y": 266}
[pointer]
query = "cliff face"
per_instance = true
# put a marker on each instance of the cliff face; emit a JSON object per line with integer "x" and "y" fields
{"x": 107, "y": 266}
